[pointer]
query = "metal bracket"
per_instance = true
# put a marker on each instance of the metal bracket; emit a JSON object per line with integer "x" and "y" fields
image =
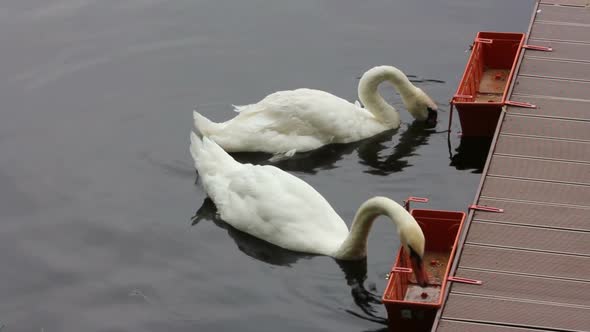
{"x": 519, "y": 104}
{"x": 483, "y": 40}
{"x": 465, "y": 280}
{"x": 401, "y": 269}
{"x": 414, "y": 199}
{"x": 538, "y": 48}
{"x": 485, "y": 208}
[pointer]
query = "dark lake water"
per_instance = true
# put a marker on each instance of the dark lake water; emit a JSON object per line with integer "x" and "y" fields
{"x": 97, "y": 188}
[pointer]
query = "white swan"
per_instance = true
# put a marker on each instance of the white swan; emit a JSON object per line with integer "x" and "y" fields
{"x": 277, "y": 207}
{"x": 304, "y": 119}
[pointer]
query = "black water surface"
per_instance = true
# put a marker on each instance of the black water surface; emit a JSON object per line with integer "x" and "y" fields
{"x": 97, "y": 188}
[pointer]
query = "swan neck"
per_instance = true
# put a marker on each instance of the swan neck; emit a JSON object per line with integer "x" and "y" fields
{"x": 355, "y": 244}
{"x": 368, "y": 91}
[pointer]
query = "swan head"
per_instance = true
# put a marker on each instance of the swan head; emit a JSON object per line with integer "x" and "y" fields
{"x": 421, "y": 107}
{"x": 412, "y": 240}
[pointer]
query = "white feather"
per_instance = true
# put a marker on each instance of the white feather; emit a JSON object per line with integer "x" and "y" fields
{"x": 306, "y": 119}
{"x": 280, "y": 208}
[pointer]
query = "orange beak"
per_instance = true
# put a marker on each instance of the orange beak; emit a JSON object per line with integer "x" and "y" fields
{"x": 419, "y": 271}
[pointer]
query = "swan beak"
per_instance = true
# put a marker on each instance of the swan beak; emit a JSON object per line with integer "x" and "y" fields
{"x": 419, "y": 271}
{"x": 432, "y": 117}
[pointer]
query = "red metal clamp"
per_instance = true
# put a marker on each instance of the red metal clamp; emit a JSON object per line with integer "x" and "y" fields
{"x": 401, "y": 269}
{"x": 519, "y": 104}
{"x": 485, "y": 208}
{"x": 417, "y": 199}
{"x": 483, "y": 40}
{"x": 465, "y": 280}
{"x": 538, "y": 48}
{"x": 414, "y": 199}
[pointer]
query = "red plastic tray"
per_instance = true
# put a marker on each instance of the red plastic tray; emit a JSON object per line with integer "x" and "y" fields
{"x": 484, "y": 86}
{"x": 406, "y": 311}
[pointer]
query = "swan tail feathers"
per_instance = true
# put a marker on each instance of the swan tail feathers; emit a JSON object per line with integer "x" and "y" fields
{"x": 209, "y": 157}
{"x": 203, "y": 125}
{"x": 239, "y": 108}
{"x": 282, "y": 155}
{"x": 196, "y": 145}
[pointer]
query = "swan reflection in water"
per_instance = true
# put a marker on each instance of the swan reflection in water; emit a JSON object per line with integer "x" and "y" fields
{"x": 368, "y": 150}
{"x": 355, "y": 272}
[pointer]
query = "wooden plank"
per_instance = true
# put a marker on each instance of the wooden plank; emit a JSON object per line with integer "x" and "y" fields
{"x": 556, "y": 69}
{"x": 534, "y": 214}
{"x": 580, "y": 3}
{"x": 552, "y": 87}
{"x": 516, "y": 313}
{"x": 561, "y": 50}
{"x": 511, "y": 286}
{"x": 565, "y": 14}
{"x": 556, "y": 31}
{"x": 530, "y": 238}
{"x": 547, "y": 128}
{"x": 536, "y": 169}
{"x": 525, "y": 262}
{"x": 459, "y": 326}
{"x": 555, "y": 108}
{"x": 535, "y": 191}
{"x": 543, "y": 148}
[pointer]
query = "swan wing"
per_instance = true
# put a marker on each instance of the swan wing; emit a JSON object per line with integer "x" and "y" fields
{"x": 284, "y": 210}
{"x": 279, "y": 208}
{"x": 302, "y": 119}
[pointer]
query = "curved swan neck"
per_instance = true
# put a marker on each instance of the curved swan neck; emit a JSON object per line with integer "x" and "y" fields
{"x": 355, "y": 244}
{"x": 369, "y": 93}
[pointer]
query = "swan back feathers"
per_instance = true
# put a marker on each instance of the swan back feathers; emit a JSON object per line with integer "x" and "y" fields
{"x": 267, "y": 202}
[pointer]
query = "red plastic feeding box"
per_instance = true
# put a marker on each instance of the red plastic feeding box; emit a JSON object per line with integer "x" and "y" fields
{"x": 409, "y": 306}
{"x": 486, "y": 80}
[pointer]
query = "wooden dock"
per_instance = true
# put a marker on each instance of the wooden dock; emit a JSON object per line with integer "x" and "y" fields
{"x": 534, "y": 258}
